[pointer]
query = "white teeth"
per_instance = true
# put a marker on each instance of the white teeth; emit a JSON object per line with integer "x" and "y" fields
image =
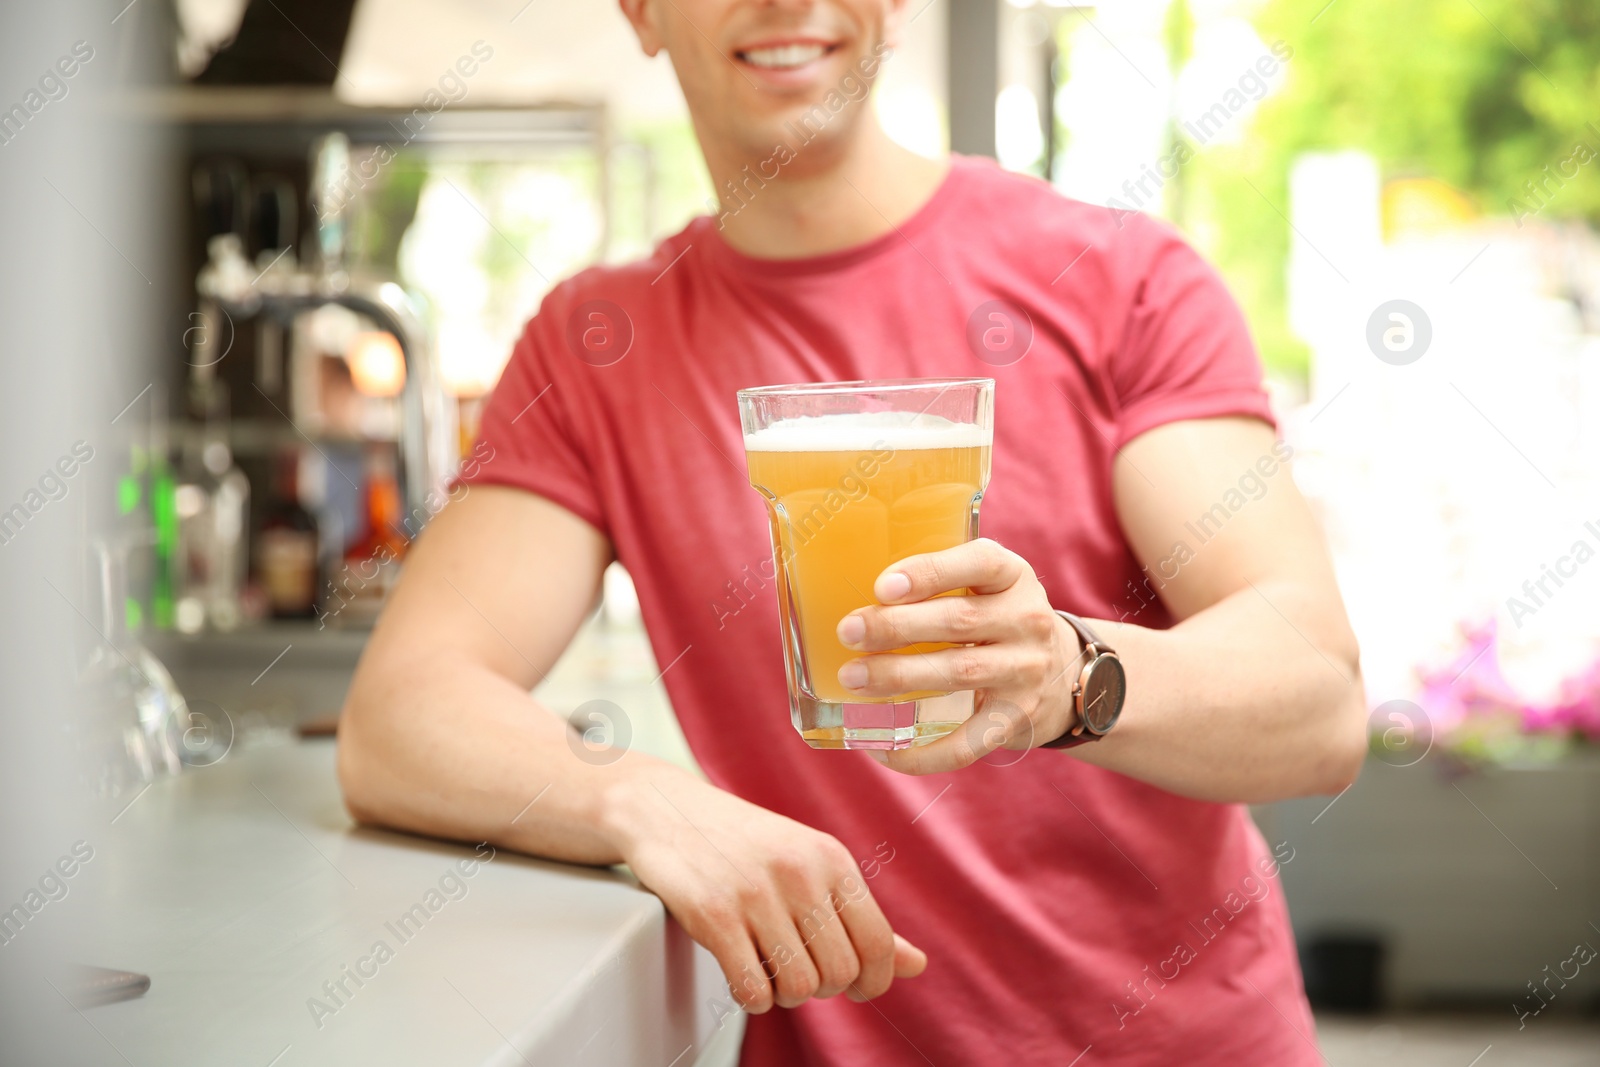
{"x": 785, "y": 56}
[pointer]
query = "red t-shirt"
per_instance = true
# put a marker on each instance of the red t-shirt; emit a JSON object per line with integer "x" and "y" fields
{"x": 1062, "y": 906}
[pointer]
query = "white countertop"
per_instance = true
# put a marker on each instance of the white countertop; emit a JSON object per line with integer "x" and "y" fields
{"x": 242, "y": 888}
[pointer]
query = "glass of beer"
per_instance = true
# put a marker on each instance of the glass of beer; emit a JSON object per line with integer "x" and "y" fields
{"x": 857, "y": 476}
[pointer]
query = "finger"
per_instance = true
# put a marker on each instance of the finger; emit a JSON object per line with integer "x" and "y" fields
{"x": 785, "y": 959}
{"x": 870, "y": 935}
{"x": 957, "y": 619}
{"x": 832, "y": 954}
{"x": 909, "y": 961}
{"x": 736, "y": 954}
{"x": 982, "y": 566}
{"x": 949, "y": 670}
{"x": 996, "y": 724}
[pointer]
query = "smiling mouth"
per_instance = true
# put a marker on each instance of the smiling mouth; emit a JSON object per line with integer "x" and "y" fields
{"x": 785, "y": 56}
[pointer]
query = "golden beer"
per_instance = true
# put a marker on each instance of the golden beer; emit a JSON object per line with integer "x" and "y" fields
{"x": 847, "y": 495}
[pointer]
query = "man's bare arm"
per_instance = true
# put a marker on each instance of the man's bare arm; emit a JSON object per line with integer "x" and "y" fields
{"x": 1254, "y": 695}
{"x": 438, "y": 733}
{"x": 439, "y": 736}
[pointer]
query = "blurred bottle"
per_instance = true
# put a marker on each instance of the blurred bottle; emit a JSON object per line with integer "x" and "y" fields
{"x": 288, "y": 547}
{"x": 211, "y": 502}
{"x": 372, "y": 563}
{"x": 161, "y": 492}
{"x": 146, "y": 527}
{"x": 329, "y": 193}
{"x": 274, "y": 223}
{"x": 384, "y": 534}
{"x": 134, "y": 526}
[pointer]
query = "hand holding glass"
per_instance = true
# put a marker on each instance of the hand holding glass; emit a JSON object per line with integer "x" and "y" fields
{"x": 858, "y": 476}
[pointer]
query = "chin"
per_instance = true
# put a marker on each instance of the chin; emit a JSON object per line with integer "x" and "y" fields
{"x": 812, "y": 120}
{"x": 794, "y": 139}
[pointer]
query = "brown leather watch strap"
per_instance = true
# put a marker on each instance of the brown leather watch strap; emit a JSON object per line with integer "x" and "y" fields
{"x": 1093, "y": 648}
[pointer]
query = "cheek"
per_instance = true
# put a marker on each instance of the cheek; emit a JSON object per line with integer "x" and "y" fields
{"x": 709, "y": 82}
{"x": 698, "y": 32}
{"x": 872, "y": 21}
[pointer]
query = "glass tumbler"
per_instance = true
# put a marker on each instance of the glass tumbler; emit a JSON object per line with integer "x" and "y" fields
{"x": 857, "y": 476}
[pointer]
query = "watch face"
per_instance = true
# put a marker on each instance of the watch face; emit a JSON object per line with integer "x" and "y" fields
{"x": 1103, "y": 691}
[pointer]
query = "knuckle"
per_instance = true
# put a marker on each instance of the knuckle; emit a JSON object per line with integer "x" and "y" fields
{"x": 837, "y": 857}
{"x": 746, "y": 898}
{"x": 849, "y": 888}
{"x": 838, "y": 974}
{"x": 1041, "y": 625}
{"x": 718, "y": 910}
{"x": 803, "y": 985}
{"x": 876, "y": 945}
{"x": 789, "y": 866}
{"x": 749, "y": 986}
{"x": 965, "y": 617}
{"x": 967, "y": 667}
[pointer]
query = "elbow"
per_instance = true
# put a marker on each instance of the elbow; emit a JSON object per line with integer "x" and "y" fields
{"x": 1344, "y": 756}
{"x": 1344, "y": 748}
{"x": 352, "y": 763}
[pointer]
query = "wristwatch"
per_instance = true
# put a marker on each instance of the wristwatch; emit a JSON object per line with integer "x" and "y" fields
{"x": 1098, "y": 693}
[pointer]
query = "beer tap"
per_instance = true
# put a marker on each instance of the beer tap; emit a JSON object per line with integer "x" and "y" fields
{"x": 227, "y": 285}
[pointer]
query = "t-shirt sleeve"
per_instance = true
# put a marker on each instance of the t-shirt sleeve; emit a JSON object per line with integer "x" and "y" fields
{"x": 1186, "y": 351}
{"x": 527, "y": 437}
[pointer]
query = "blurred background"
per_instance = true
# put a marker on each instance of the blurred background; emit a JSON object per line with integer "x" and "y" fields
{"x": 264, "y": 259}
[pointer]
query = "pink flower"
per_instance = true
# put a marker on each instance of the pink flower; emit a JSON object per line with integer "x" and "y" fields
{"x": 1472, "y": 685}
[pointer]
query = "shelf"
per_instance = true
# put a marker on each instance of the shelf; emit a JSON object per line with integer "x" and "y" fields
{"x": 251, "y": 118}
{"x": 267, "y": 636}
{"x": 263, "y": 437}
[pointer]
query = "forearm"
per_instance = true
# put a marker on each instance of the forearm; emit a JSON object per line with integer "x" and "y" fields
{"x": 1257, "y": 698}
{"x": 448, "y": 748}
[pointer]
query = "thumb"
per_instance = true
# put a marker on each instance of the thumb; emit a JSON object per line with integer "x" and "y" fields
{"x": 909, "y": 960}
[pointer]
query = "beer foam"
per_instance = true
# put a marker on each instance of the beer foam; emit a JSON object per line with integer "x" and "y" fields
{"x": 864, "y": 431}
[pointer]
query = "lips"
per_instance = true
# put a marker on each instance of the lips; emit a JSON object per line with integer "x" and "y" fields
{"x": 784, "y": 55}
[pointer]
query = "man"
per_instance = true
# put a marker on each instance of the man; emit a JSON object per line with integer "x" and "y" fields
{"x": 1037, "y": 903}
